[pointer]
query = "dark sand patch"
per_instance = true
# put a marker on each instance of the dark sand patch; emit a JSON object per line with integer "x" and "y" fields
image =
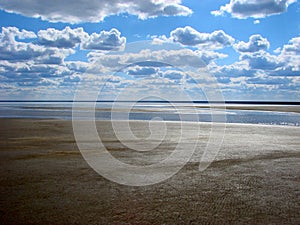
{"x": 274, "y": 108}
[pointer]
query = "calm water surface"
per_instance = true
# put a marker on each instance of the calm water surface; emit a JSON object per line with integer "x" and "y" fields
{"x": 145, "y": 111}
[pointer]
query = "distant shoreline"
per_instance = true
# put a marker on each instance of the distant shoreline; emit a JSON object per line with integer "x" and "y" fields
{"x": 292, "y": 108}
{"x": 196, "y": 102}
{"x": 238, "y": 113}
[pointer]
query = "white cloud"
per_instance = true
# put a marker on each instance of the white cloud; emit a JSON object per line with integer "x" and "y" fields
{"x": 293, "y": 47}
{"x": 13, "y": 50}
{"x": 285, "y": 72}
{"x": 159, "y": 40}
{"x": 72, "y": 79}
{"x": 141, "y": 71}
{"x": 77, "y": 66}
{"x": 10, "y": 33}
{"x": 105, "y": 40}
{"x": 290, "y": 54}
{"x": 210, "y": 56}
{"x": 180, "y": 58}
{"x": 177, "y": 58}
{"x": 94, "y": 11}
{"x": 36, "y": 66}
{"x": 262, "y": 71}
{"x": 190, "y": 37}
{"x": 256, "y": 43}
{"x": 262, "y": 61}
{"x": 52, "y": 46}
{"x": 71, "y": 38}
{"x": 29, "y": 70}
{"x": 66, "y": 38}
{"x": 47, "y": 82}
{"x": 253, "y": 8}
{"x": 235, "y": 70}
{"x": 174, "y": 75}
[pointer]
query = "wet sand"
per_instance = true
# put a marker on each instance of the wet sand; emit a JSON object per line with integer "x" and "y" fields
{"x": 271, "y": 108}
{"x": 255, "y": 179}
{"x": 275, "y": 108}
{"x": 284, "y": 108}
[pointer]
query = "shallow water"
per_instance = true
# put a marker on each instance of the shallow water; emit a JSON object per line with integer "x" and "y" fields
{"x": 147, "y": 111}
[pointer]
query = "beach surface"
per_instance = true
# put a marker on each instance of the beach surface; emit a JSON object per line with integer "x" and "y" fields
{"x": 255, "y": 178}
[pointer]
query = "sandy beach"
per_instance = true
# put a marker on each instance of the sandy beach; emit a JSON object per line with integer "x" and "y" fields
{"x": 255, "y": 179}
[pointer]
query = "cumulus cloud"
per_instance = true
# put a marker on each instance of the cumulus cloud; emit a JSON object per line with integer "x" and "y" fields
{"x": 9, "y": 33}
{"x": 293, "y": 47}
{"x": 254, "y": 8}
{"x": 262, "y": 61}
{"x": 105, "y": 40}
{"x": 286, "y": 63}
{"x": 29, "y": 61}
{"x": 52, "y": 46}
{"x": 13, "y": 50}
{"x": 29, "y": 64}
{"x": 285, "y": 72}
{"x": 256, "y": 43}
{"x": 290, "y": 54}
{"x": 237, "y": 69}
{"x": 95, "y": 11}
{"x": 66, "y": 38}
{"x": 240, "y": 76}
{"x": 71, "y": 38}
{"x": 74, "y": 78}
{"x": 174, "y": 75}
{"x": 262, "y": 70}
{"x": 210, "y": 56}
{"x": 77, "y": 66}
{"x": 191, "y": 37}
{"x": 177, "y": 58}
{"x": 142, "y": 71}
{"x": 269, "y": 80}
{"x": 30, "y": 70}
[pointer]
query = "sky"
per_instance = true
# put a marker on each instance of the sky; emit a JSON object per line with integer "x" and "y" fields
{"x": 178, "y": 50}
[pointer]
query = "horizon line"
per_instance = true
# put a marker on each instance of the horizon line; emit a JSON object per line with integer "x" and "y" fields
{"x": 156, "y": 101}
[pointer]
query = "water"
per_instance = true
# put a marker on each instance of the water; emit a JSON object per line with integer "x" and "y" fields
{"x": 147, "y": 111}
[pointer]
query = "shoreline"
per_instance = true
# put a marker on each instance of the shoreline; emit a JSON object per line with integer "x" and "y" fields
{"x": 263, "y": 108}
{"x": 153, "y": 121}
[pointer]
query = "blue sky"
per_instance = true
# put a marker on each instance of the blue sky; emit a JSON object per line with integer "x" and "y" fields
{"x": 250, "y": 48}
